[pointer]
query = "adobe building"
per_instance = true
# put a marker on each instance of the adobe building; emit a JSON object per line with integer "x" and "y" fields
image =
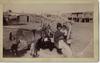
{"x": 84, "y": 17}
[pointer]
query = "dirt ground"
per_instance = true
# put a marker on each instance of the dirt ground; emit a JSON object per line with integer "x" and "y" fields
{"x": 81, "y": 46}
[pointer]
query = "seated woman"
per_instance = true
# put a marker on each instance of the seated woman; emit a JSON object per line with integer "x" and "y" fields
{"x": 61, "y": 41}
{"x": 57, "y": 36}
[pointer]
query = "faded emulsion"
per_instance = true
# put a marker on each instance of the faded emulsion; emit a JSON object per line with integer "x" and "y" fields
{"x": 48, "y": 31}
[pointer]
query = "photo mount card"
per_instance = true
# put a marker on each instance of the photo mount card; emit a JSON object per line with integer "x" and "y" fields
{"x": 42, "y": 30}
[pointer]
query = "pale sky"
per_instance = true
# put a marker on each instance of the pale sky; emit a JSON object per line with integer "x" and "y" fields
{"x": 49, "y": 8}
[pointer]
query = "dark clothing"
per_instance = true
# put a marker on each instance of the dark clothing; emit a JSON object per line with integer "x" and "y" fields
{"x": 14, "y": 48}
{"x": 44, "y": 44}
{"x": 10, "y": 36}
{"x": 57, "y": 36}
{"x": 65, "y": 37}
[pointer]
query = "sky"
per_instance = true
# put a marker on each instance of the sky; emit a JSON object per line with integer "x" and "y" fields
{"x": 48, "y": 8}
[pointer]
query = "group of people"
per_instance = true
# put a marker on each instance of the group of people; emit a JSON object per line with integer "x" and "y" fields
{"x": 60, "y": 39}
{"x": 49, "y": 40}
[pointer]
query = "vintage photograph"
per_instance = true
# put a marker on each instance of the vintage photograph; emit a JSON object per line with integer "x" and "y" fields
{"x": 48, "y": 30}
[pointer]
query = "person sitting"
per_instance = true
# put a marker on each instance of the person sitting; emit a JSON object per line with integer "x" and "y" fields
{"x": 57, "y": 36}
{"x": 14, "y": 47}
{"x": 43, "y": 43}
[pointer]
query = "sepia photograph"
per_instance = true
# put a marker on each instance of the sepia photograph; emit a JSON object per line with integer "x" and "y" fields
{"x": 48, "y": 30}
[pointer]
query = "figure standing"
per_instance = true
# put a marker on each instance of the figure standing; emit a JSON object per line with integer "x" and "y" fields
{"x": 69, "y": 33}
